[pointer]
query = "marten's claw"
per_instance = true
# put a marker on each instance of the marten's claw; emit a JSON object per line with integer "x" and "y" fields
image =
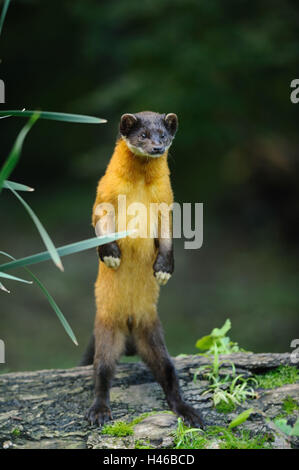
{"x": 162, "y": 277}
{"x": 191, "y": 416}
{"x": 111, "y": 262}
{"x": 98, "y": 415}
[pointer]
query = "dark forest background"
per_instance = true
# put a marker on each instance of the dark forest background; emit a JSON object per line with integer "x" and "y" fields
{"x": 225, "y": 68}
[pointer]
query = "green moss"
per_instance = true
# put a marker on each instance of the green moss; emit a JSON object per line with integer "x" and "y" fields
{"x": 224, "y": 407}
{"x": 118, "y": 429}
{"x": 139, "y": 444}
{"x": 289, "y": 405}
{"x": 123, "y": 429}
{"x": 276, "y": 378}
{"x": 16, "y": 432}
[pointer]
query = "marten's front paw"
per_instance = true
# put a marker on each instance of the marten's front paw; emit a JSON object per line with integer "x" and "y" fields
{"x": 110, "y": 255}
{"x": 163, "y": 268}
{"x": 111, "y": 262}
{"x": 162, "y": 277}
{"x": 98, "y": 414}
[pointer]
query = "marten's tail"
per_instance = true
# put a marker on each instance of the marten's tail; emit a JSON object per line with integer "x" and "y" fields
{"x": 88, "y": 355}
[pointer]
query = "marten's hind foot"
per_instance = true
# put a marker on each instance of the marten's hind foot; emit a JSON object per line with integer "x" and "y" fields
{"x": 99, "y": 413}
{"x": 190, "y": 415}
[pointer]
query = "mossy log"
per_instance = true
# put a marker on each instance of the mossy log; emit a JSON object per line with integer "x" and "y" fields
{"x": 45, "y": 409}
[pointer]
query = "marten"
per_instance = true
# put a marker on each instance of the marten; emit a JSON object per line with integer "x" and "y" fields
{"x": 132, "y": 269}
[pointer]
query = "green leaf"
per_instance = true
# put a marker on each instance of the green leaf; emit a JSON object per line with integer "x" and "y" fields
{"x": 206, "y": 342}
{"x": 65, "y": 250}
{"x": 55, "y": 307}
{"x": 79, "y": 118}
{"x": 15, "y": 153}
{"x": 281, "y": 423}
{"x": 16, "y": 186}
{"x": 14, "y": 278}
{"x": 3, "y": 14}
{"x": 2, "y": 287}
{"x": 240, "y": 418}
{"x": 44, "y": 235}
{"x": 217, "y": 332}
{"x": 52, "y": 302}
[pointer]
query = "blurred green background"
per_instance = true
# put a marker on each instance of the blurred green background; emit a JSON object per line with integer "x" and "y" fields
{"x": 225, "y": 68}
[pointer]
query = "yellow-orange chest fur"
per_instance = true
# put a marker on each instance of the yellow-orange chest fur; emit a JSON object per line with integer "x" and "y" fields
{"x": 131, "y": 291}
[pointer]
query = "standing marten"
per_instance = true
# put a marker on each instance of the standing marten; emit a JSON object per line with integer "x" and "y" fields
{"x": 132, "y": 269}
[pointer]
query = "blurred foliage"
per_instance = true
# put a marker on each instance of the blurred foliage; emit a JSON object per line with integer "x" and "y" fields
{"x": 225, "y": 68}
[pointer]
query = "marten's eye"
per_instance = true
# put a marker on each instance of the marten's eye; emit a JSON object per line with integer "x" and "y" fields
{"x": 163, "y": 136}
{"x": 143, "y": 135}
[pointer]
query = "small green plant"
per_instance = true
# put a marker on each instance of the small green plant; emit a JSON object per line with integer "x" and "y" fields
{"x": 276, "y": 378}
{"x": 192, "y": 438}
{"x": 218, "y": 339}
{"x": 228, "y": 391}
{"x": 16, "y": 432}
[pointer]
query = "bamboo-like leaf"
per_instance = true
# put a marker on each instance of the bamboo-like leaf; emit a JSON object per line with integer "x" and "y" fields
{"x": 44, "y": 235}
{"x": 65, "y": 250}
{"x": 15, "y": 153}
{"x": 52, "y": 302}
{"x": 3, "y": 14}
{"x": 14, "y": 278}
{"x": 79, "y": 118}
{"x": 16, "y": 186}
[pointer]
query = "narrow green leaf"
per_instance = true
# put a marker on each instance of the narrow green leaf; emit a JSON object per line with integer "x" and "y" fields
{"x": 65, "y": 250}
{"x": 3, "y": 14}
{"x": 16, "y": 186}
{"x": 55, "y": 307}
{"x": 240, "y": 418}
{"x": 44, "y": 235}
{"x": 15, "y": 153}
{"x": 52, "y": 302}
{"x": 79, "y": 118}
{"x": 14, "y": 278}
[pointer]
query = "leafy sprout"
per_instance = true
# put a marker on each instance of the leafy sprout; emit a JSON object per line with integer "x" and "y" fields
{"x": 217, "y": 340}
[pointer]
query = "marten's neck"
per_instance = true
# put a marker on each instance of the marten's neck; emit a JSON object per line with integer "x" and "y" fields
{"x": 131, "y": 167}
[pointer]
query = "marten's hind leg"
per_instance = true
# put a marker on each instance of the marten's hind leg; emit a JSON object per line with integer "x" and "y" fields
{"x": 152, "y": 349}
{"x": 109, "y": 345}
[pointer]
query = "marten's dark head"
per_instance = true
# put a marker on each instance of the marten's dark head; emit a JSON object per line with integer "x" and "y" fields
{"x": 148, "y": 134}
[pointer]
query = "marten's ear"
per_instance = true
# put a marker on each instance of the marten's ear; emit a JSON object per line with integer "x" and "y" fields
{"x": 171, "y": 123}
{"x": 127, "y": 122}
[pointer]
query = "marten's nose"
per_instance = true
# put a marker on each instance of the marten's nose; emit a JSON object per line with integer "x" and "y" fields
{"x": 157, "y": 150}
